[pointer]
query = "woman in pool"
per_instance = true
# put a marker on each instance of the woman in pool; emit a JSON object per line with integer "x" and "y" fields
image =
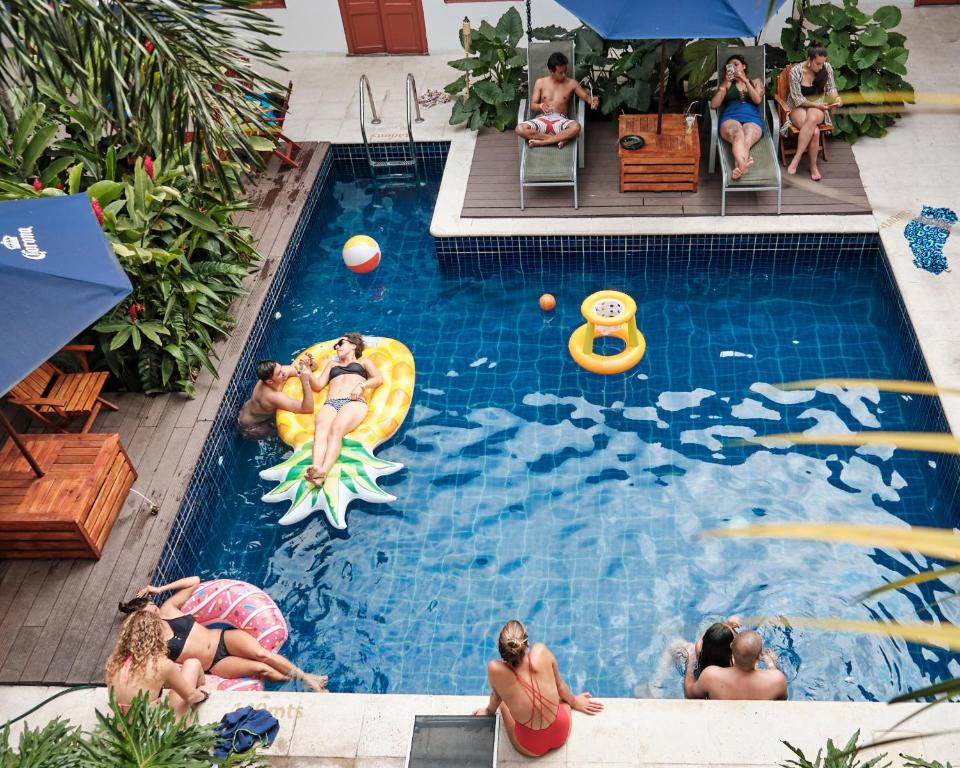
{"x": 345, "y": 407}
{"x": 813, "y": 94}
{"x": 139, "y": 663}
{"x": 739, "y": 98}
{"x": 713, "y": 648}
{"x": 533, "y": 699}
{"x": 223, "y": 652}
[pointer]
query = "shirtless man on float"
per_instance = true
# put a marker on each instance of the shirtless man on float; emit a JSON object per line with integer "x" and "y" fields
{"x": 551, "y": 98}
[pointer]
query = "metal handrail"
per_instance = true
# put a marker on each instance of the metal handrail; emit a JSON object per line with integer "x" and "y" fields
{"x": 412, "y": 84}
{"x": 365, "y": 81}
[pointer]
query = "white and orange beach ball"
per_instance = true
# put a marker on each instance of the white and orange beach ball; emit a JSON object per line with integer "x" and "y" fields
{"x": 361, "y": 254}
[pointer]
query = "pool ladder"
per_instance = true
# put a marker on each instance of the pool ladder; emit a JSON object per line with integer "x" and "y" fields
{"x": 405, "y": 167}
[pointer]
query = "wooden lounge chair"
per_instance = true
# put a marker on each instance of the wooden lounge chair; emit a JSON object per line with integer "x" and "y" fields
{"x": 55, "y": 398}
{"x": 549, "y": 166}
{"x": 286, "y": 147}
{"x": 783, "y": 91}
{"x": 764, "y": 174}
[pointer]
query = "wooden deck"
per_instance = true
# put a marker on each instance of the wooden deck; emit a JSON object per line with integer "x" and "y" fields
{"x": 58, "y": 618}
{"x": 493, "y": 189}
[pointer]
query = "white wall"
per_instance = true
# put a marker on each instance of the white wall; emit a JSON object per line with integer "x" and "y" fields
{"x": 315, "y": 25}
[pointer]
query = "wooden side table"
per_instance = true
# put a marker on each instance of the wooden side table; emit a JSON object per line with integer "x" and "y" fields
{"x": 667, "y": 162}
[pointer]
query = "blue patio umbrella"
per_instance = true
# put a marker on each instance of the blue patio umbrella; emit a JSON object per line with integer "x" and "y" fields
{"x": 58, "y": 275}
{"x": 672, "y": 19}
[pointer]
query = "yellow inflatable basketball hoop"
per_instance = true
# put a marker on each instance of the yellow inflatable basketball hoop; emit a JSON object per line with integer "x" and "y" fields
{"x": 608, "y": 313}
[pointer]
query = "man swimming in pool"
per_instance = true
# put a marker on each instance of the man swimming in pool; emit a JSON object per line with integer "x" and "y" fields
{"x": 551, "y": 98}
{"x": 256, "y": 416}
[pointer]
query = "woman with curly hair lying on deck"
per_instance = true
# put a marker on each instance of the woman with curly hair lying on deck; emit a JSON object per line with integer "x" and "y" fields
{"x": 222, "y": 652}
{"x": 139, "y": 663}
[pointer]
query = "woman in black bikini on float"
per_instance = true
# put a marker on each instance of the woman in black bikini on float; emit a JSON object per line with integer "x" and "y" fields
{"x": 222, "y": 652}
{"x": 345, "y": 407}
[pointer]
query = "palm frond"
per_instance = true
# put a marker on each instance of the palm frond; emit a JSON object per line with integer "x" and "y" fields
{"x": 933, "y": 542}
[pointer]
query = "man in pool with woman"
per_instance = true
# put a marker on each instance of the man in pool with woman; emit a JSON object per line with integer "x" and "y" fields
{"x": 347, "y": 376}
{"x": 725, "y": 664}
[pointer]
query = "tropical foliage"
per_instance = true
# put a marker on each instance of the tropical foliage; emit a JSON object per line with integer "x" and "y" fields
{"x": 101, "y": 103}
{"x": 55, "y": 745}
{"x": 836, "y": 757}
{"x": 495, "y": 80}
{"x": 869, "y": 60}
{"x": 624, "y": 74}
{"x": 144, "y": 74}
{"x": 147, "y": 736}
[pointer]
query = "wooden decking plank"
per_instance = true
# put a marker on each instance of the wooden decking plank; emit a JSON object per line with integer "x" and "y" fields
{"x": 10, "y": 584}
{"x": 20, "y": 651}
{"x": 22, "y": 603}
{"x": 36, "y": 667}
{"x": 49, "y": 593}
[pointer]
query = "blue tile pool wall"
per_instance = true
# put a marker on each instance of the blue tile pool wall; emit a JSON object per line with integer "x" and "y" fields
{"x": 767, "y": 255}
{"x": 192, "y": 523}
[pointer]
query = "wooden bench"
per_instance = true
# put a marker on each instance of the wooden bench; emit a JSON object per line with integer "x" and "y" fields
{"x": 70, "y": 511}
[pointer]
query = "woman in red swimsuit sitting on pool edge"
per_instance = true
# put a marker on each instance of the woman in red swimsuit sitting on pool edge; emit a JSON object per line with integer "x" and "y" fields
{"x": 534, "y": 701}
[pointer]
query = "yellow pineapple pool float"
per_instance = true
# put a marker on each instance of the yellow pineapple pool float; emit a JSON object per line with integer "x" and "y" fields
{"x": 356, "y": 471}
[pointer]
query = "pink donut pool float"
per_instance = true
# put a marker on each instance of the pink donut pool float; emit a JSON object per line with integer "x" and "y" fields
{"x": 243, "y": 606}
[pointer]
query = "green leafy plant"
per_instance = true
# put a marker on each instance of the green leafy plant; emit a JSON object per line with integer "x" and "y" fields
{"x": 868, "y": 58}
{"x": 844, "y": 757}
{"x": 151, "y": 736}
{"x": 186, "y": 259}
{"x": 24, "y": 147}
{"x": 916, "y": 762}
{"x": 699, "y": 68}
{"x": 154, "y": 71}
{"x": 623, "y": 73}
{"x": 55, "y": 745}
{"x": 497, "y": 76}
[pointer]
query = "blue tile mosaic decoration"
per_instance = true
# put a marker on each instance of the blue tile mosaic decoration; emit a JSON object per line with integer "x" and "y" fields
{"x": 535, "y": 489}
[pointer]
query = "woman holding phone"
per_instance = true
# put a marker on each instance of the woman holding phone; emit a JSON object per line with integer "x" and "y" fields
{"x": 739, "y": 98}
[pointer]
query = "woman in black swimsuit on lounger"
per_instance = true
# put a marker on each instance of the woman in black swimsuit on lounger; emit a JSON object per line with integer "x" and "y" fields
{"x": 345, "y": 407}
{"x": 223, "y": 652}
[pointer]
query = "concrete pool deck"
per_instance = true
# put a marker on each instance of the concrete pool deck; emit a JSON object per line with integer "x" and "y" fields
{"x": 373, "y": 730}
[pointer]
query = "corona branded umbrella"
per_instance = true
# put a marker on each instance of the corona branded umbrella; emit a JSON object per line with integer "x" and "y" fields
{"x": 58, "y": 275}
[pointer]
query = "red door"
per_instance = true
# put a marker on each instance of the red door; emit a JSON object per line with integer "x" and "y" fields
{"x": 384, "y": 26}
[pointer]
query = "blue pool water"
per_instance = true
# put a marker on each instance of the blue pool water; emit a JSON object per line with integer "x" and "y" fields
{"x": 534, "y": 489}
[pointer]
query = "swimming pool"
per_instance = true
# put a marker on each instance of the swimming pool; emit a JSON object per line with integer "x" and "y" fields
{"x": 537, "y": 490}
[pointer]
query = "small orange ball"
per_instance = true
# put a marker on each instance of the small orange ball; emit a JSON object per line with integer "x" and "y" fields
{"x": 547, "y": 302}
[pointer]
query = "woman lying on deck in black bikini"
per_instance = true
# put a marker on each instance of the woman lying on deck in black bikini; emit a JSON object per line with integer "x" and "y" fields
{"x": 345, "y": 407}
{"x": 223, "y": 652}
